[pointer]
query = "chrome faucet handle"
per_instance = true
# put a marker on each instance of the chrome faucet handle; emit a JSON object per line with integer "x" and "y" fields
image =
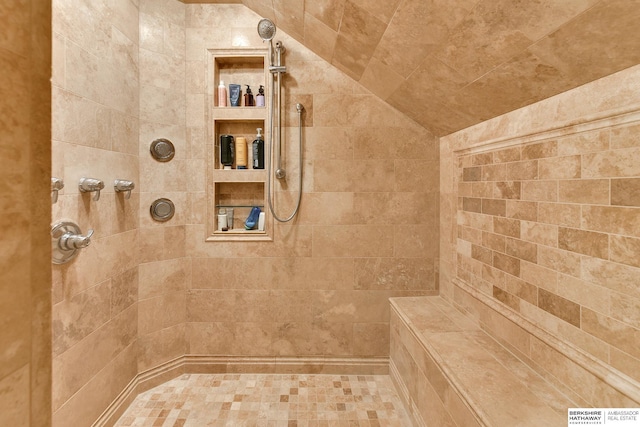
{"x": 124, "y": 186}
{"x": 91, "y": 185}
{"x": 56, "y": 185}
{"x": 69, "y": 241}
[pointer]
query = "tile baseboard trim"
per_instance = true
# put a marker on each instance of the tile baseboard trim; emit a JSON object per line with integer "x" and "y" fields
{"x": 198, "y": 364}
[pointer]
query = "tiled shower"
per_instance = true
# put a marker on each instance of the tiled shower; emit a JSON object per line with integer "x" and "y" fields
{"x": 145, "y": 293}
{"x": 389, "y": 209}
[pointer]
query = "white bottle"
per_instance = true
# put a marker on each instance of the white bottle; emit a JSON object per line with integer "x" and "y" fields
{"x": 261, "y": 219}
{"x": 222, "y": 94}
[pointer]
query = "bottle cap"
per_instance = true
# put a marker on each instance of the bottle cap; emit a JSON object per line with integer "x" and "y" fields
{"x": 259, "y": 132}
{"x": 221, "y": 83}
{"x": 248, "y": 89}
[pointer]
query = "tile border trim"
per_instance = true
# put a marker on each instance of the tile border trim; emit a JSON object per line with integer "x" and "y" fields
{"x": 592, "y": 123}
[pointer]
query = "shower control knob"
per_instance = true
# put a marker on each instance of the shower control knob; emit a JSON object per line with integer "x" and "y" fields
{"x": 69, "y": 241}
{"x": 66, "y": 241}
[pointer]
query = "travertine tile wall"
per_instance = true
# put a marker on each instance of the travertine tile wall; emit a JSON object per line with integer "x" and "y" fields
{"x": 25, "y": 167}
{"x": 95, "y": 134}
{"x": 145, "y": 293}
{"x": 540, "y": 212}
{"x": 367, "y": 228}
{"x": 165, "y": 269}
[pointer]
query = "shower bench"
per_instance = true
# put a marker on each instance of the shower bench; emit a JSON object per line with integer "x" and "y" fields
{"x": 449, "y": 372}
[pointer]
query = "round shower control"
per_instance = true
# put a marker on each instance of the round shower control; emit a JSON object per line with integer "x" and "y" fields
{"x": 162, "y": 150}
{"x": 162, "y": 210}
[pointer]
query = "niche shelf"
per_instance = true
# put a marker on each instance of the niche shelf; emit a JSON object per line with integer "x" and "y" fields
{"x": 239, "y": 189}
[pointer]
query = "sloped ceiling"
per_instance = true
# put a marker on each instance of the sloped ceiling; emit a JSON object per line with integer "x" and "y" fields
{"x": 449, "y": 64}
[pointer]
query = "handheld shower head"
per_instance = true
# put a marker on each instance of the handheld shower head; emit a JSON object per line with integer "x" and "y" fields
{"x": 266, "y": 29}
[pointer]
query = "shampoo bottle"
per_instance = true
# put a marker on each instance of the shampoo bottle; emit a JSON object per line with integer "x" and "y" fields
{"x": 226, "y": 151}
{"x": 241, "y": 152}
{"x": 222, "y": 94}
{"x": 260, "y": 97}
{"x": 248, "y": 97}
{"x": 258, "y": 151}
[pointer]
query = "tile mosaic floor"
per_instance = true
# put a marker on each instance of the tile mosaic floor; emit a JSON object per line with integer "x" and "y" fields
{"x": 269, "y": 400}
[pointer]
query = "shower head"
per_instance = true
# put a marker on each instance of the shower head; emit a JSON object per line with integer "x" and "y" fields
{"x": 266, "y": 29}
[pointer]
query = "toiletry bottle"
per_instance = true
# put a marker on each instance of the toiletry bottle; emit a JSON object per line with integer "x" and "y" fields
{"x": 222, "y": 220}
{"x": 248, "y": 97}
{"x": 258, "y": 151}
{"x": 235, "y": 94}
{"x": 260, "y": 97}
{"x": 241, "y": 152}
{"x": 222, "y": 94}
{"x": 226, "y": 151}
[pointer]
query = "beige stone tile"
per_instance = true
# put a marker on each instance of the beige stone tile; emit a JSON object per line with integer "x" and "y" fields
{"x": 614, "y": 163}
{"x": 560, "y": 307}
{"x": 327, "y": 11}
{"x": 340, "y": 241}
{"x": 318, "y": 36}
{"x": 507, "y": 190}
{"x": 482, "y": 189}
{"x": 506, "y": 298}
{"x": 539, "y": 276}
{"x": 624, "y": 250}
{"x": 540, "y": 150}
{"x": 506, "y": 227}
{"x": 342, "y": 175}
{"x": 583, "y": 143}
{"x": 536, "y": 232}
{"x": 521, "y": 289}
{"x": 617, "y": 220}
{"x": 521, "y": 249}
{"x": 124, "y": 291}
{"x": 611, "y": 275}
{"x": 522, "y": 210}
{"x": 495, "y": 207}
{"x": 625, "y": 309}
{"x": 566, "y": 167}
{"x": 75, "y": 367}
{"x": 591, "y": 191}
{"x": 359, "y": 34}
{"x": 100, "y": 391}
{"x": 394, "y": 273}
{"x": 14, "y": 397}
{"x": 371, "y": 339}
{"x": 161, "y": 312}
{"x": 76, "y": 317}
{"x": 415, "y": 175}
{"x": 566, "y": 215}
{"x": 625, "y": 136}
{"x": 410, "y": 241}
{"x": 481, "y": 254}
{"x": 161, "y": 346}
{"x": 625, "y": 192}
{"x": 512, "y": 154}
{"x": 540, "y": 191}
{"x": 493, "y": 241}
{"x": 616, "y": 333}
{"x": 506, "y": 263}
{"x": 559, "y": 260}
{"x": 157, "y": 278}
{"x": 583, "y": 242}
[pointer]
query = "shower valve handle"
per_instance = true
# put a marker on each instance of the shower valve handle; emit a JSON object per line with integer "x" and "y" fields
{"x": 69, "y": 241}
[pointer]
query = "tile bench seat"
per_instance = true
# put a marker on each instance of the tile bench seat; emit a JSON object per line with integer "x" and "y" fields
{"x": 449, "y": 372}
